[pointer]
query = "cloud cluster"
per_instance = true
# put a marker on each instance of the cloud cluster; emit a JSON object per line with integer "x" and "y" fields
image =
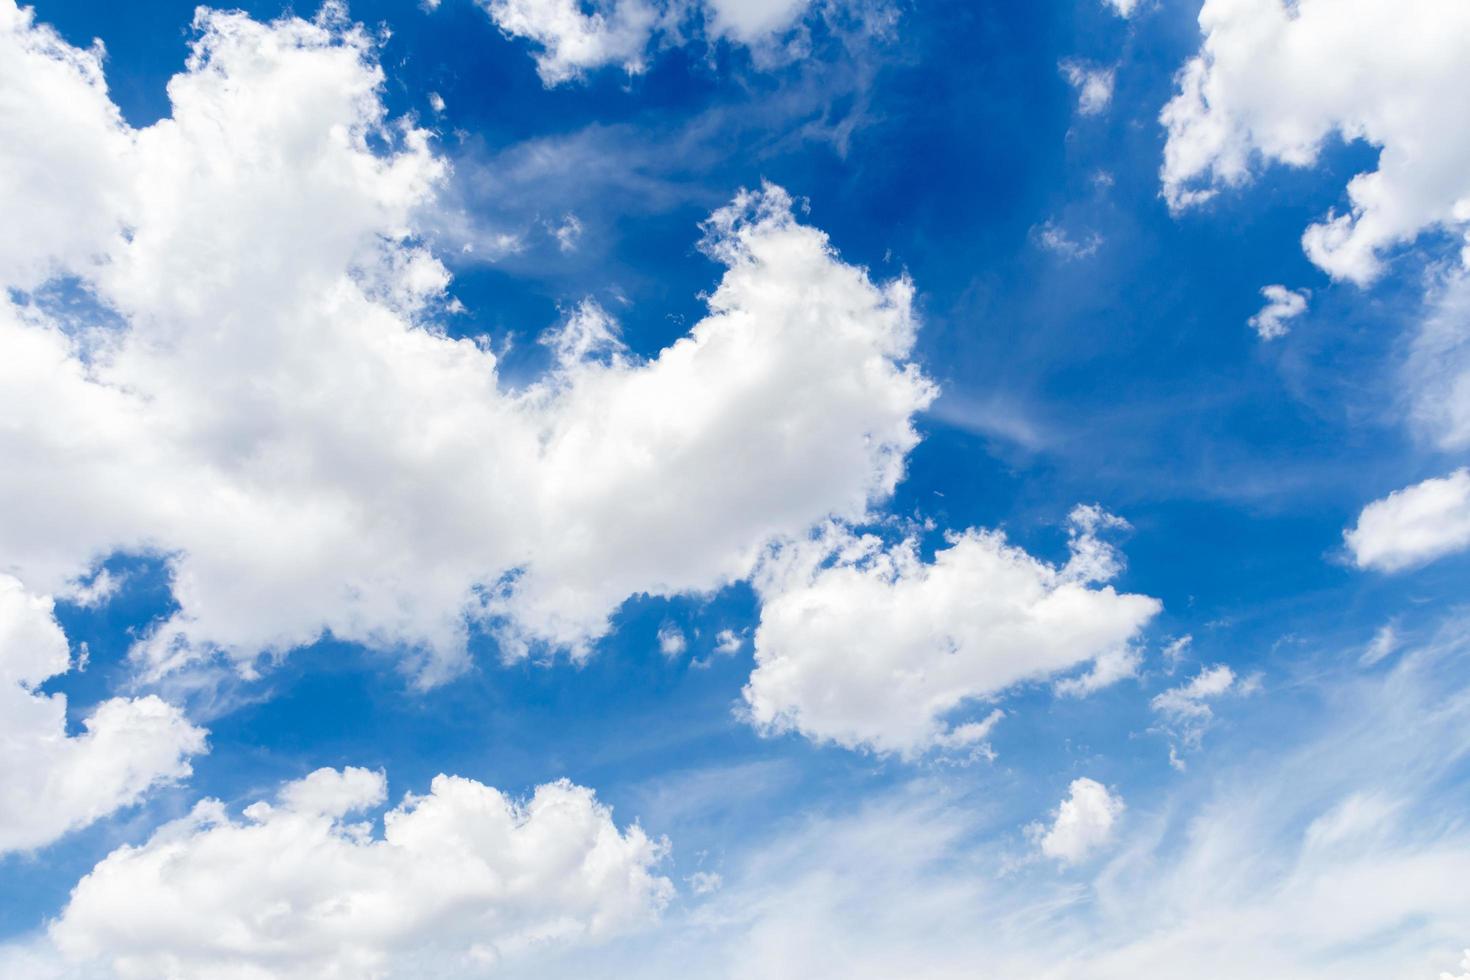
{"x": 460, "y": 879}
{"x": 52, "y": 782}
{"x": 1185, "y": 711}
{"x": 572, "y": 38}
{"x": 1278, "y": 862}
{"x": 1414, "y": 525}
{"x": 265, "y": 394}
{"x": 872, "y": 646}
{"x": 1274, "y": 80}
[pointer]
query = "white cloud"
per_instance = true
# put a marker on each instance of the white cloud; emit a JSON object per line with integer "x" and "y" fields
{"x": 1274, "y": 80}
{"x": 1436, "y": 374}
{"x": 1384, "y": 642}
{"x": 1056, "y": 238}
{"x": 1273, "y": 864}
{"x": 98, "y": 592}
{"x": 1175, "y": 651}
{"x": 1094, "y": 85}
{"x": 1335, "y": 850}
{"x": 62, "y": 136}
{"x": 705, "y": 882}
{"x": 1282, "y": 304}
{"x": 277, "y": 412}
{"x": 671, "y": 642}
{"x": 1108, "y": 668}
{"x": 1082, "y": 823}
{"x": 727, "y": 644}
{"x": 1185, "y": 710}
{"x": 1414, "y": 525}
{"x": 1123, "y": 8}
{"x": 870, "y": 646}
{"x": 568, "y": 233}
{"x": 52, "y": 782}
{"x": 436, "y": 102}
{"x": 1464, "y": 965}
{"x": 572, "y": 40}
{"x": 459, "y": 879}
{"x": 753, "y": 21}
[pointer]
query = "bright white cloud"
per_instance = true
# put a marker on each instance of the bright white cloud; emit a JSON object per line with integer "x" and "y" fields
{"x": 459, "y": 879}
{"x": 52, "y": 782}
{"x": 572, "y": 39}
{"x": 1414, "y": 525}
{"x": 1282, "y": 305}
{"x": 1123, "y": 8}
{"x": 870, "y": 646}
{"x": 1082, "y": 823}
{"x": 1185, "y": 712}
{"x": 275, "y": 410}
{"x": 62, "y": 136}
{"x": 1094, "y": 85}
{"x": 1274, "y": 80}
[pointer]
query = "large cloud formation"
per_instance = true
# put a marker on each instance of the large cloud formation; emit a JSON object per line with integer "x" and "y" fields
{"x": 262, "y": 392}
{"x": 460, "y": 878}
{"x": 51, "y": 782}
{"x": 871, "y": 646}
{"x": 1275, "y": 80}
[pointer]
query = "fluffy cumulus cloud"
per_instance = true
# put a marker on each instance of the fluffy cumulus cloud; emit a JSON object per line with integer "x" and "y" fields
{"x": 459, "y": 879}
{"x": 265, "y": 396}
{"x": 1082, "y": 823}
{"x": 1275, "y": 80}
{"x": 1282, "y": 305}
{"x": 52, "y": 782}
{"x": 1414, "y": 525}
{"x": 872, "y": 646}
{"x": 571, "y": 38}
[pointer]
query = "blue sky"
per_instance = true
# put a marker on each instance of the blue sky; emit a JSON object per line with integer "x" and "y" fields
{"x": 351, "y": 426}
